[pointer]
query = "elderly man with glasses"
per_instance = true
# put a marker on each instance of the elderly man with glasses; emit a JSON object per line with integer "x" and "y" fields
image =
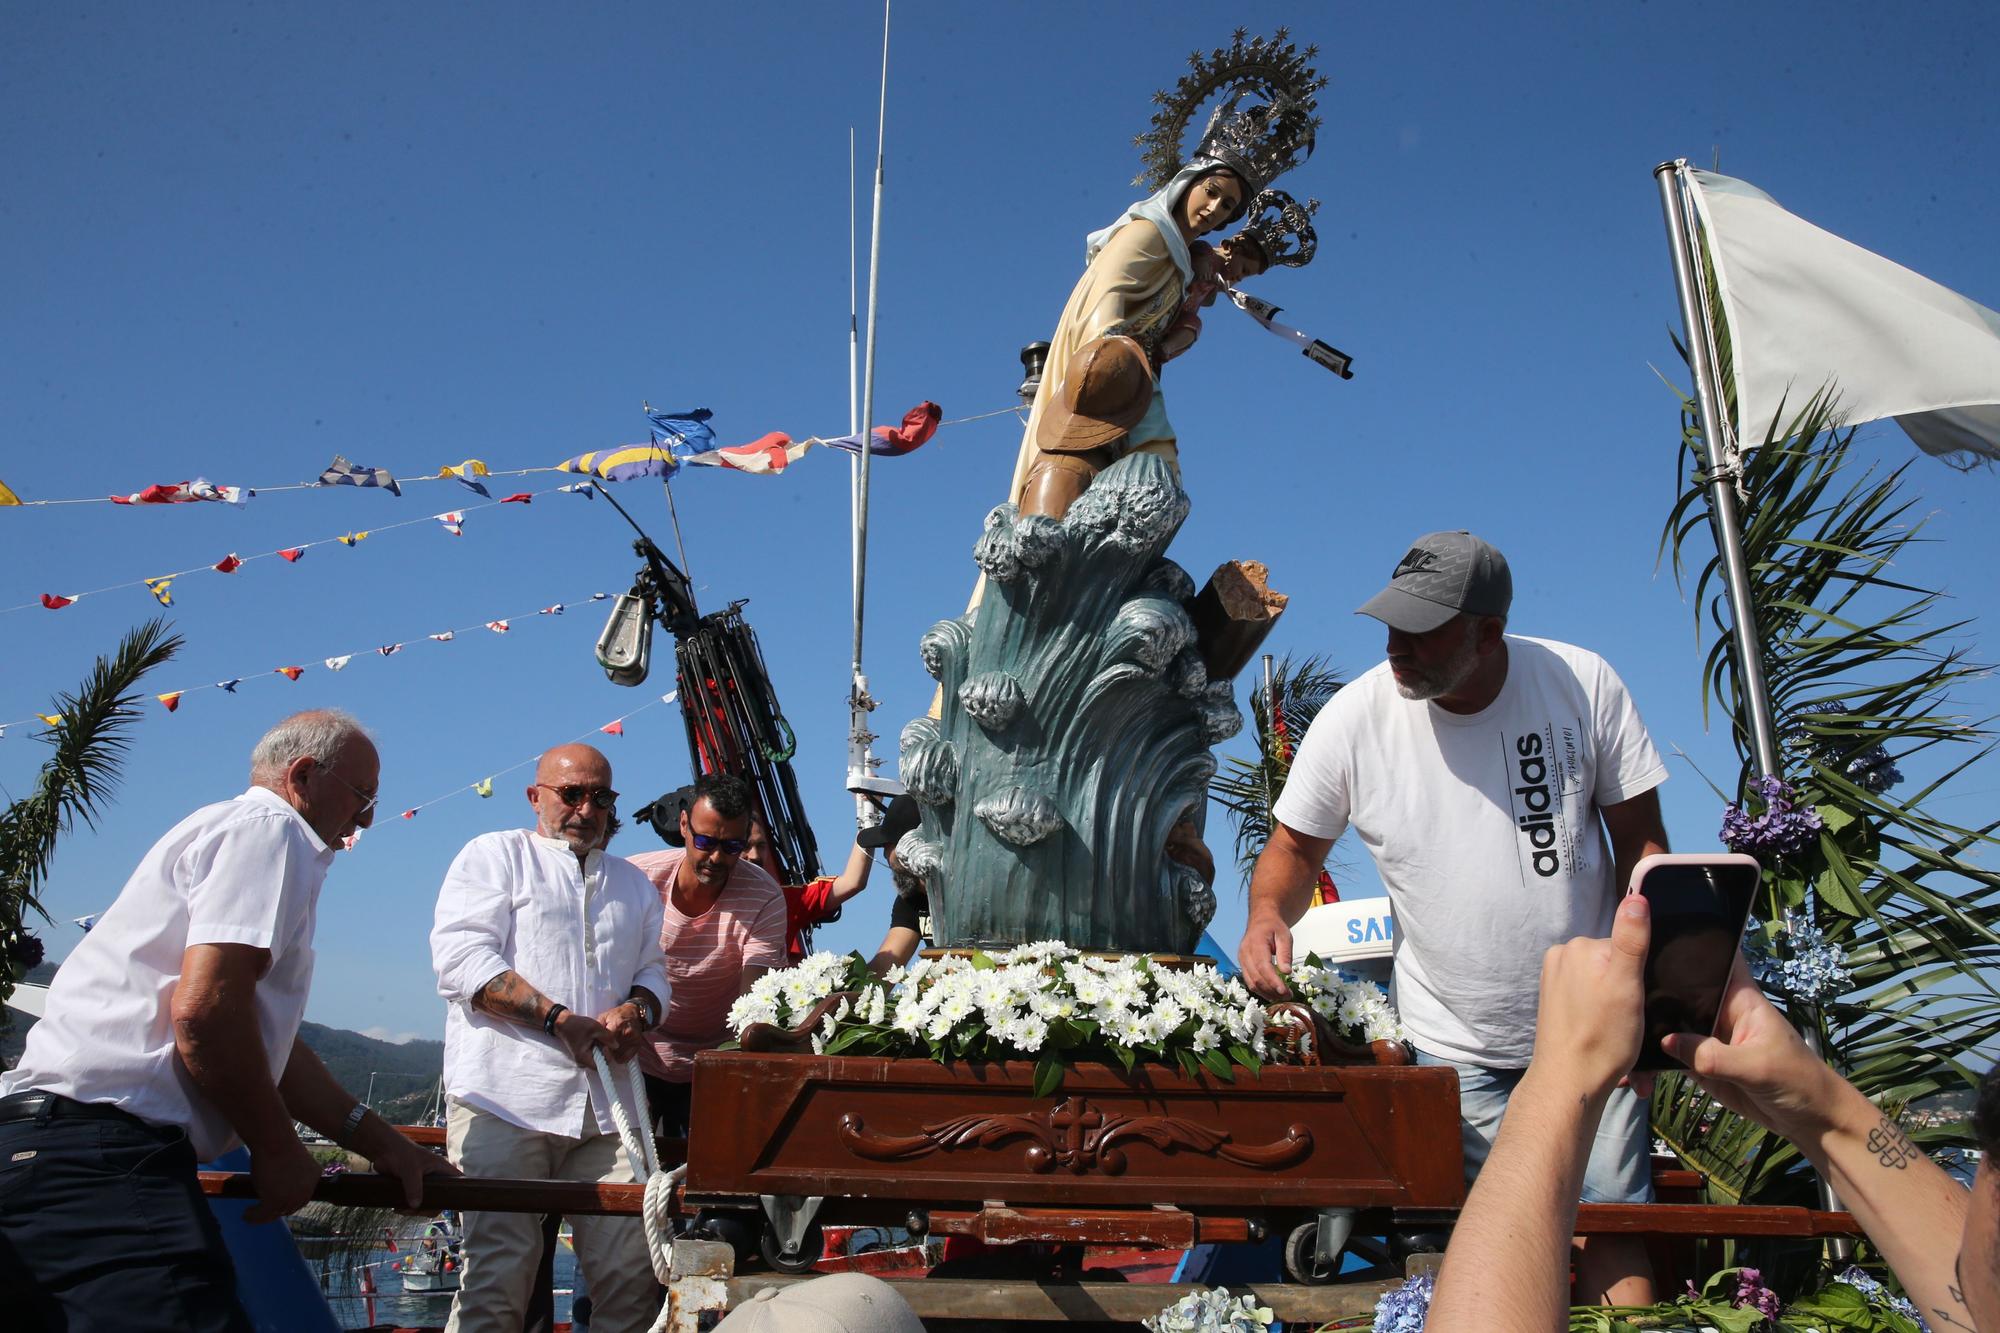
{"x": 171, "y": 1037}
{"x": 546, "y": 948}
{"x": 723, "y": 927}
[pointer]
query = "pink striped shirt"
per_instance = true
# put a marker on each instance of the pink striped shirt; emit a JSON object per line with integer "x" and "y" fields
{"x": 706, "y": 956}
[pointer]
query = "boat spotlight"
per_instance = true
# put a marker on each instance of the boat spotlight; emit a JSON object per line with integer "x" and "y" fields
{"x": 625, "y": 649}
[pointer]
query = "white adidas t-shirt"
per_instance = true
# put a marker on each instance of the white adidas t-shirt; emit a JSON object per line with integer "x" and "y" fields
{"x": 1484, "y": 828}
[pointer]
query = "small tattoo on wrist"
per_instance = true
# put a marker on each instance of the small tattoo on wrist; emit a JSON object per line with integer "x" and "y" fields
{"x": 1891, "y": 1146}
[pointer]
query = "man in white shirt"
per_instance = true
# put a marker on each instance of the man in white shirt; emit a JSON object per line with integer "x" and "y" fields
{"x": 1482, "y": 771}
{"x": 172, "y": 1036}
{"x": 545, "y": 948}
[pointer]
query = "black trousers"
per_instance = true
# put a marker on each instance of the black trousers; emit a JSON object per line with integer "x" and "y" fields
{"x": 670, "y": 1105}
{"x": 103, "y": 1229}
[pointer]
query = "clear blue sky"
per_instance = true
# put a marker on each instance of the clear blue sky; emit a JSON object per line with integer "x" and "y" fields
{"x": 239, "y": 239}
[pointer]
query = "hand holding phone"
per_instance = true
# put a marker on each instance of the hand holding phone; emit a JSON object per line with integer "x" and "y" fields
{"x": 1700, "y": 903}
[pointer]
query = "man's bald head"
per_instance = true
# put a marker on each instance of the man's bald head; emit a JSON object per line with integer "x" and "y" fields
{"x": 573, "y": 798}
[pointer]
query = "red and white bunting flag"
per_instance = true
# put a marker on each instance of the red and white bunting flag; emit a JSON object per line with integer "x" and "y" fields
{"x": 518, "y": 498}
{"x": 454, "y": 522}
{"x": 446, "y": 637}
{"x": 390, "y": 649}
{"x": 339, "y": 663}
{"x": 292, "y": 553}
{"x": 555, "y": 610}
{"x": 229, "y": 564}
{"x": 498, "y": 626}
{"x": 56, "y": 602}
{"x": 613, "y": 728}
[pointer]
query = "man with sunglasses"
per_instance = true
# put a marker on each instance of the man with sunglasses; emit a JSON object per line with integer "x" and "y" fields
{"x": 545, "y": 948}
{"x": 723, "y": 926}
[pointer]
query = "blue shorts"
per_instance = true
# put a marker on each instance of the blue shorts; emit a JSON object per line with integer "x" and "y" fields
{"x": 1620, "y": 1169}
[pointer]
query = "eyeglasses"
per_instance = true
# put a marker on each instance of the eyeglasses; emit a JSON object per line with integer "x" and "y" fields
{"x": 368, "y": 798}
{"x": 729, "y": 846}
{"x": 573, "y": 794}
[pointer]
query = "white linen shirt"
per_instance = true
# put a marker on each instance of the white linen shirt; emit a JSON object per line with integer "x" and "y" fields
{"x": 582, "y": 935}
{"x": 243, "y": 871}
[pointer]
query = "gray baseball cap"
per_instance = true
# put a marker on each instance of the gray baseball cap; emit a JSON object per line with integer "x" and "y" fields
{"x": 1443, "y": 574}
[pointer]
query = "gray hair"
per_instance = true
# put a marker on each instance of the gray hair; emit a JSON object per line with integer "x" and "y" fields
{"x": 317, "y": 734}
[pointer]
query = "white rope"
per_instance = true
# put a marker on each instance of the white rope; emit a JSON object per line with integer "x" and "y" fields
{"x": 644, "y": 1155}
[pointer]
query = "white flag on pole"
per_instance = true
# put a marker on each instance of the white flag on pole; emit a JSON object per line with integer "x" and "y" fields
{"x": 1806, "y": 307}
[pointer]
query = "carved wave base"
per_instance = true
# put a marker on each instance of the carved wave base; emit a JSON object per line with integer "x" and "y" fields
{"x": 879, "y": 1139}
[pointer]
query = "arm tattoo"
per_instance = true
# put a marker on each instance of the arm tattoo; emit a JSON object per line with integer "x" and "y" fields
{"x": 1891, "y": 1146}
{"x": 510, "y": 996}
{"x": 1943, "y": 1318}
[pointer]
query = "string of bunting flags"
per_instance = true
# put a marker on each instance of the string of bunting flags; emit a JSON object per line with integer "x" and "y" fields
{"x": 678, "y": 438}
{"x": 171, "y": 699}
{"x": 161, "y": 586}
{"x": 483, "y": 788}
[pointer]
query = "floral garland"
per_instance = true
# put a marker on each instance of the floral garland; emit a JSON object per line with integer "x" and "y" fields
{"x": 1733, "y": 1301}
{"x": 1053, "y": 1004}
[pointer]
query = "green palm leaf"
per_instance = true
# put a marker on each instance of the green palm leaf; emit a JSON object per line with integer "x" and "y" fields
{"x": 1249, "y": 788}
{"x": 78, "y": 778}
{"x": 1862, "y": 670}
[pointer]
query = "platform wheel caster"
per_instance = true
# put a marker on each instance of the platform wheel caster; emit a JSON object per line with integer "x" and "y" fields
{"x": 812, "y": 1246}
{"x": 1302, "y": 1261}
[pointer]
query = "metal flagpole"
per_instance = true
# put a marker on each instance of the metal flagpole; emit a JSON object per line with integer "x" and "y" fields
{"x": 1724, "y": 465}
{"x": 860, "y": 761}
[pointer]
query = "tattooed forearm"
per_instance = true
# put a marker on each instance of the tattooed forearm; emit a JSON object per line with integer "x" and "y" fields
{"x": 509, "y": 996}
{"x": 1943, "y": 1316}
{"x": 1891, "y": 1146}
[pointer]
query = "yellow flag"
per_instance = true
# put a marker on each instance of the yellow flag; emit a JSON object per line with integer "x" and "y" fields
{"x": 158, "y": 587}
{"x": 484, "y": 787}
{"x": 8, "y": 497}
{"x": 351, "y": 538}
{"x": 471, "y": 467}
{"x": 53, "y": 719}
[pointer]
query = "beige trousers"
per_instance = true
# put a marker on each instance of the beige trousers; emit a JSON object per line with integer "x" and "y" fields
{"x": 504, "y": 1250}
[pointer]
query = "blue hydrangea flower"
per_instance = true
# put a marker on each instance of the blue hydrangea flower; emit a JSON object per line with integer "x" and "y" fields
{"x": 1405, "y": 1309}
{"x": 1800, "y": 962}
{"x": 1879, "y": 1295}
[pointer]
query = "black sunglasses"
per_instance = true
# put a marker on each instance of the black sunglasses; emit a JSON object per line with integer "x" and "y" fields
{"x": 705, "y": 843}
{"x": 602, "y": 798}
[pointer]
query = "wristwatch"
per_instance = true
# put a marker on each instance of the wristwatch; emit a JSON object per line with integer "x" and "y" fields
{"x": 352, "y": 1123}
{"x": 646, "y": 1015}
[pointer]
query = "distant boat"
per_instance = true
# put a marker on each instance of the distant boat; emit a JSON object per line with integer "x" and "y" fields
{"x": 438, "y": 1261}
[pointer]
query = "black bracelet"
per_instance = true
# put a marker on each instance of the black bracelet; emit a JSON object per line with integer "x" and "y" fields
{"x": 549, "y": 1019}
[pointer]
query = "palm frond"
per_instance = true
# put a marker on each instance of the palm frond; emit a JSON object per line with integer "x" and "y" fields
{"x": 76, "y": 781}
{"x": 1862, "y": 673}
{"x": 1249, "y": 788}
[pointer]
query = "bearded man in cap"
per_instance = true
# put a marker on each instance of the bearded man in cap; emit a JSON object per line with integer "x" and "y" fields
{"x": 1483, "y": 771}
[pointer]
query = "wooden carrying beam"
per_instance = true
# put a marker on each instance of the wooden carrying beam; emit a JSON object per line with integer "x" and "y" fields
{"x": 362, "y": 1189}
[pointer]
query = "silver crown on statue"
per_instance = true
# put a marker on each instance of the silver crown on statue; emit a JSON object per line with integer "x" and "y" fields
{"x": 1265, "y": 126}
{"x": 1282, "y": 228}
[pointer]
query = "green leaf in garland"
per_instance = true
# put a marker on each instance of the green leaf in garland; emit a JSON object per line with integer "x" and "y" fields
{"x": 1048, "y": 1075}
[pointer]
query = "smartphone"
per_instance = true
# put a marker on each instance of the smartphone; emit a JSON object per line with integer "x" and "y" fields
{"x": 1700, "y": 904}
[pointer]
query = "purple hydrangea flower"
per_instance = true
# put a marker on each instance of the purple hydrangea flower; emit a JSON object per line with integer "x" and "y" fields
{"x": 1750, "y": 1290}
{"x": 1784, "y": 829}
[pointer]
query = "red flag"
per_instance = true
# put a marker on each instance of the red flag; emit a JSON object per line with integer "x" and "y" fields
{"x": 56, "y": 603}
{"x": 229, "y": 564}
{"x": 410, "y": 813}
{"x": 293, "y": 553}
{"x": 172, "y": 701}
{"x": 291, "y": 673}
{"x": 613, "y": 728}
{"x": 519, "y": 498}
